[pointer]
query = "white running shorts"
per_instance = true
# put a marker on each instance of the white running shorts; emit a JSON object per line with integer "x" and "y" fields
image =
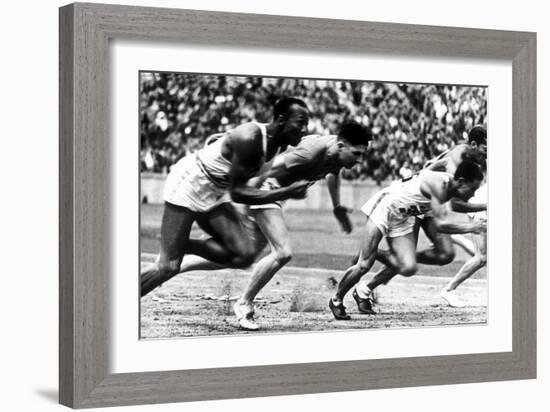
{"x": 391, "y": 224}
{"x": 187, "y": 186}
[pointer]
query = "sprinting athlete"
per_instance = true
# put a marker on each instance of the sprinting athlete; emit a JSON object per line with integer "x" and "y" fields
{"x": 315, "y": 158}
{"x": 475, "y": 151}
{"x": 442, "y": 251}
{"x": 476, "y": 262}
{"x": 201, "y": 187}
{"x": 391, "y": 213}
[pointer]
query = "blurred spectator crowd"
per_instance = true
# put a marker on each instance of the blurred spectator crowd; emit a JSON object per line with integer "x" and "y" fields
{"x": 411, "y": 123}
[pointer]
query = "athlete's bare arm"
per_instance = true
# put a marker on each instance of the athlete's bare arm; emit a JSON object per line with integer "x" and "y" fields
{"x": 341, "y": 212}
{"x": 247, "y": 157}
{"x": 278, "y": 168}
{"x": 436, "y": 187}
{"x": 295, "y": 163}
{"x": 461, "y": 206}
{"x": 456, "y": 154}
{"x": 333, "y": 186}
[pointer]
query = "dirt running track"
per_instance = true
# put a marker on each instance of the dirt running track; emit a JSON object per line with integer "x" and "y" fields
{"x": 199, "y": 303}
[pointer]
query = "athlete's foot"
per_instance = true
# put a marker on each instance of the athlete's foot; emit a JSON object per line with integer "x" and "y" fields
{"x": 338, "y": 310}
{"x": 452, "y": 299}
{"x": 364, "y": 305}
{"x": 245, "y": 315}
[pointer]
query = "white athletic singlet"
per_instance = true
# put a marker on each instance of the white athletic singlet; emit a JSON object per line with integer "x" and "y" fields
{"x": 406, "y": 198}
{"x": 216, "y": 167}
{"x": 200, "y": 181}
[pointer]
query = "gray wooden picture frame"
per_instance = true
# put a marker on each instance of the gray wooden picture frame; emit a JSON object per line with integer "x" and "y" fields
{"x": 85, "y": 31}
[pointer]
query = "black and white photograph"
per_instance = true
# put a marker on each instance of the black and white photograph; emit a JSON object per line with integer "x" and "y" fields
{"x": 270, "y": 206}
{"x": 286, "y": 205}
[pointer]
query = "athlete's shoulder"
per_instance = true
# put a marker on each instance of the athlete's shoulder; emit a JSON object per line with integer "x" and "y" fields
{"x": 312, "y": 140}
{"x": 246, "y": 140}
{"x": 458, "y": 149}
{"x": 314, "y": 143}
{"x": 435, "y": 175}
{"x": 247, "y": 131}
{"x": 434, "y": 181}
{"x": 460, "y": 146}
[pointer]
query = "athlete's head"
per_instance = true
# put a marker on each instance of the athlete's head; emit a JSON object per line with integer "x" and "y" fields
{"x": 468, "y": 178}
{"x": 291, "y": 116}
{"x": 477, "y": 147}
{"x": 477, "y": 138}
{"x": 353, "y": 140}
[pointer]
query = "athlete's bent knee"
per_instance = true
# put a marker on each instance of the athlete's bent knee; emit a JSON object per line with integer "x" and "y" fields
{"x": 483, "y": 260}
{"x": 169, "y": 269}
{"x": 244, "y": 259}
{"x": 283, "y": 256}
{"x": 408, "y": 269}
{"x": 480, "y": 260}
{"x": 446, "y": 257}
{"x": 363, "y": 265}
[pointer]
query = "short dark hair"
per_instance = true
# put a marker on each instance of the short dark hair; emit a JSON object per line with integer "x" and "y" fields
{"x": 477, "y": 134}
{"x": 475, "y": 156}
{"x": 355, "y": 134}
{"x": 469, "y": 171}
{"x": 284, "y": 104}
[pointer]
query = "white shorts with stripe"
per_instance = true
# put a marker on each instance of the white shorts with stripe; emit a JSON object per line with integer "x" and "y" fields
{"x": 187, "y": 186}
{"x": 391, "y": 224}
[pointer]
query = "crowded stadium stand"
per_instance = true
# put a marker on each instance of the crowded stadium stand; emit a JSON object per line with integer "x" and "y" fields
{"x": 411, "y": 123}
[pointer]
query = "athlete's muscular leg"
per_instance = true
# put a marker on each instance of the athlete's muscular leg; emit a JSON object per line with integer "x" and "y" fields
{"x": 473, "y": 264}
{"x": 192, "y": 262}
{"x": 466, "y": 244}
{"x": 442, "y": 252}
{"x": 231, "y": 244}
{"x": 389, "y": 259}
{"x": 174, "y": 234}
{"x": 404, "y": 250}
{"x": 272, "y": 224}
{"x": 369, "y": 245}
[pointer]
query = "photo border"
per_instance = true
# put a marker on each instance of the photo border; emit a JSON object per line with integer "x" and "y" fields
{"x": 84, "y": 163}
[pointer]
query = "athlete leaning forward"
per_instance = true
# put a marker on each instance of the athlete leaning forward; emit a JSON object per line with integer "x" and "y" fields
{"x": 201, "y": 187}
{"x": 315, "y": 157}
{"x": 441, "y": 252}
{"x": 391, "y": 213}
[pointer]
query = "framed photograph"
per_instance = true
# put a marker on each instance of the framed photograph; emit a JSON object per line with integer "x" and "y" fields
{"x": 412, "y": 127}
{"x": 239, "y": 193}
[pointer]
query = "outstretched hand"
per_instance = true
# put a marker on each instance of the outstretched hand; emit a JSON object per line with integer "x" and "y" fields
{"x": 481, "y": 227}
{"x": 342, "y": 215}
